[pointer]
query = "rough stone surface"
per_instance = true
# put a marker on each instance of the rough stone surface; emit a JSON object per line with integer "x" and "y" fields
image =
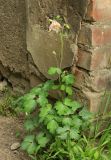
{"x": 43, "y": 54}
{"x": 14, "y": 57}
{"x": 13, "y": 54}
{"x": 38, "y": 35}
{"x": 16, "y": 64}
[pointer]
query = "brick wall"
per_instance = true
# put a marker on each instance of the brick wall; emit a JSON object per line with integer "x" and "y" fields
{"x": 93, "y": 70}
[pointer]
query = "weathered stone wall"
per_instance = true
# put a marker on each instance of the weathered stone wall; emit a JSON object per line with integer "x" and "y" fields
{"x": 22, "y": 67}
{"x": 26, "y": 46}
{"x": 40, "y": 42}
{"x": 13, "y": 53}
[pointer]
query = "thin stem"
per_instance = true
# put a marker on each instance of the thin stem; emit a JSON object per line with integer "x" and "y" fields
{"x": 57, "y": 63}
{"x": 62, "y": 48}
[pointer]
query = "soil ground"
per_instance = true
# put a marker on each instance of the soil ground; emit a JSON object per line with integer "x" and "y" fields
{"x": 8, "y": 130}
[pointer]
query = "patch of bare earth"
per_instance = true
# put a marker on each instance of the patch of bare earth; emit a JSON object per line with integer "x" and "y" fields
{"x": 8, "y": 129}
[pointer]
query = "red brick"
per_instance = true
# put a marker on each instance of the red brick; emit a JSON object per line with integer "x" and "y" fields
{"x": 95, "y": 59}
{"x": 99, "y": 10}
{"x": 101, "y": 35}
{"x": 97, "y": 81}
{"x": 95, "y": 35}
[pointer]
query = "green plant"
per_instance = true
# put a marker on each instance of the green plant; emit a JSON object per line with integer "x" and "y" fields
{"x": 62, "y": 129}
{"x": 6, "y": 102}
{"x": 53, "y": 127}
{"x": 101, "y": 125}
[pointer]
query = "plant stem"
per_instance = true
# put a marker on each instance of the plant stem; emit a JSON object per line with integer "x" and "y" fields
{"x": 62, "y": 49}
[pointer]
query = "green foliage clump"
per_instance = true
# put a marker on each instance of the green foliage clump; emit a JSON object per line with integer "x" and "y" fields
{"x": 62, "y": 129}
{"x": 55, "y": 127}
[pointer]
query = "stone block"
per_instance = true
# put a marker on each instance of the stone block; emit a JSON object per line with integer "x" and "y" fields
{"x": 45, "y": 46}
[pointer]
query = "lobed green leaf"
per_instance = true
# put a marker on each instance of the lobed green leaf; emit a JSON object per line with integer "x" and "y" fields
{"x": 54, "y": 70}
{"x": 52, "y": 126}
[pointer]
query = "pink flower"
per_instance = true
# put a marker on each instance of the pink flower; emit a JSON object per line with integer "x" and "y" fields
{"x": 55, "y": 26}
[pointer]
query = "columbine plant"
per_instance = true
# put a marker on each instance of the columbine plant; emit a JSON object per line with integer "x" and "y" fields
{"x": 59, "y": 128}
{"x": 53, "y": 127}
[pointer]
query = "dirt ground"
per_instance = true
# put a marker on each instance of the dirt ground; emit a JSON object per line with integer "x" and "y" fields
{"x": 8, "y": 131}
